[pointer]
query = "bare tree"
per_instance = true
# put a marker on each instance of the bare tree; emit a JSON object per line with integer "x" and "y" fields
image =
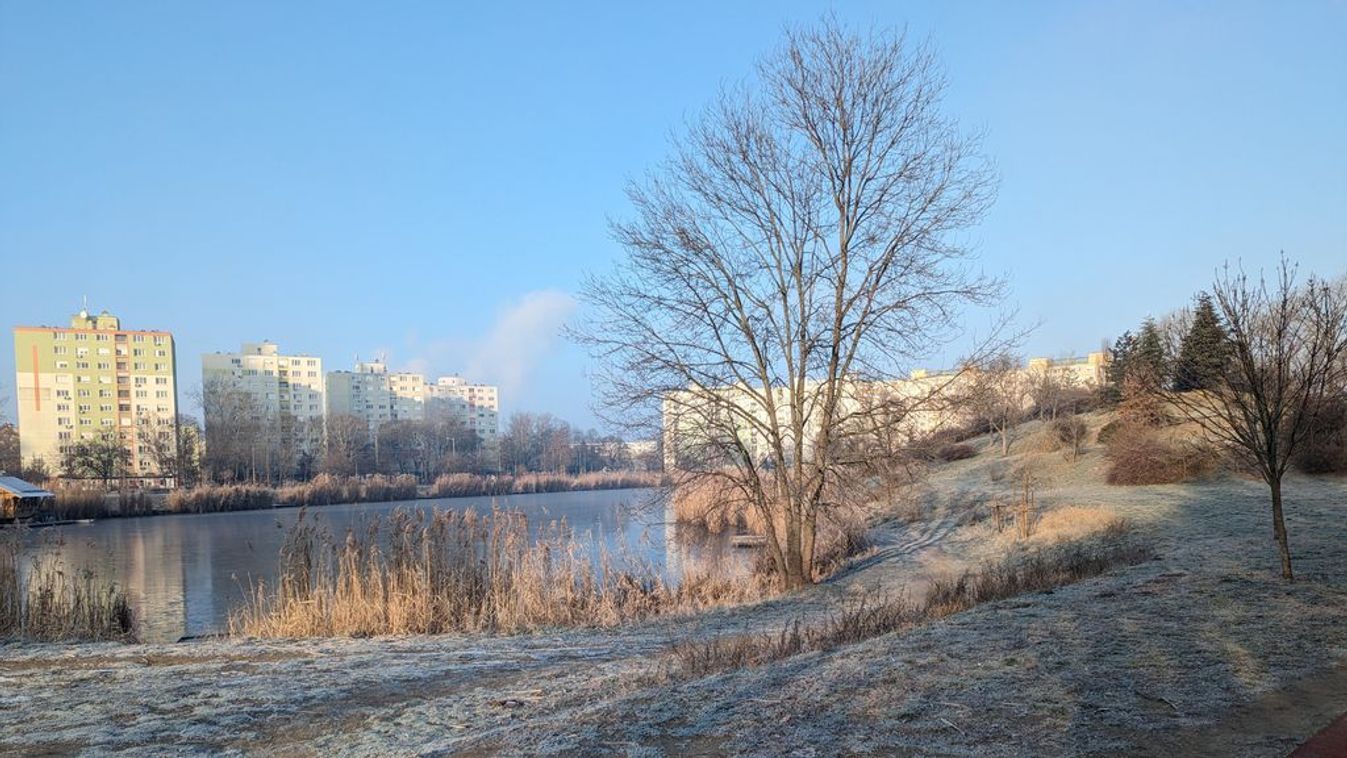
{"x": 235, "y": 429}
{"x": 801, "y": 241}
{"x": 346, "y": 446}
{"x": 1288, "y": 355}
{"x": 104, "y": 457}
{"x": 998, "y": 394}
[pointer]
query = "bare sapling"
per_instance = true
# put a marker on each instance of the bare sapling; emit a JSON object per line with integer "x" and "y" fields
{"x": 1287, "y": 345}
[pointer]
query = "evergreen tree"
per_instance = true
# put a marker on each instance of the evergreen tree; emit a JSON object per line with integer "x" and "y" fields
{"x": 1149, "y": 360}
{"x": 1120, "y": 357}
{"x": 1204, "y": 350}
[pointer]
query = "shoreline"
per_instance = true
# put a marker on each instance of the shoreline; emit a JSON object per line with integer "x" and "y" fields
{"x": 159, "y": 498}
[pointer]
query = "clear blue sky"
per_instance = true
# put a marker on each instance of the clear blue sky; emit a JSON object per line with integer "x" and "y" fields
{"x": 430, "y": 180}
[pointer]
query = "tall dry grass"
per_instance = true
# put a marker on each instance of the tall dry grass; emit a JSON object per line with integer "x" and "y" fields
{"x": 75, "y": 503}
{"x": 323, "y": 489}
{"x": 714, "y": 505}
{"x": 477, "y": 485}
{"x": 443, "y": 571}
{"x": 52, "y": 602}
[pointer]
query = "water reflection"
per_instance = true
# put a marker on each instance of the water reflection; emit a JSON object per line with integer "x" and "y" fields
{"x": 184, "y": 573}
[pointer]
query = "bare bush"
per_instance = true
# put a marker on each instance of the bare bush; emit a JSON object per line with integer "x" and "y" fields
{"x": 955, "y": 452}
{"x": 1140, "y": 455}
{"x": 1071, "y": 432}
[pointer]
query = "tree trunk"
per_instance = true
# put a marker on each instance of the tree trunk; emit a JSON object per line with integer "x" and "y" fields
{"x": 1279, "y": 529}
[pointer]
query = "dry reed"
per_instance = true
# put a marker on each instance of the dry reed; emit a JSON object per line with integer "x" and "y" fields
{"x": 50, "y": 602}
{"x": 476, "y": 485}
{"x": 424, "y": 572}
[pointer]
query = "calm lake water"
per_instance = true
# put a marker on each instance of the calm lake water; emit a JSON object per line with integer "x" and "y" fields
{"x": 184, "y": 573}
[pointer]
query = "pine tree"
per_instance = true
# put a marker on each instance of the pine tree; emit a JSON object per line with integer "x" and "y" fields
{"x": 1149, "y": 359}
{"x": 1204, "y": 350}
{"x": 1119, "y": 359}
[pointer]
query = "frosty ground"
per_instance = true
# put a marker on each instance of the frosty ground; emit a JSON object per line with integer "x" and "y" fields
{"x": 1203, "y": 650}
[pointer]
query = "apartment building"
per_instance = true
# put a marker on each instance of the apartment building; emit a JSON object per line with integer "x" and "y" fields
{"x": 695, "y": 426}
{"x": 378, "y": 396}
{"x": 93, "y": 378}
{"x": 288, "y": 391}
{"x": 476, "y": 406}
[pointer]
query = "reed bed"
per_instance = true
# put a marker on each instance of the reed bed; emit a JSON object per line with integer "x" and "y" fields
{"x": 714, "y": 506}
{"x": 477, "y": 485}
{"x": 326, "y": 489}
{"x": 323, "y": 489}
{"x": 420, "y": 572}
{"x": 51, "y": 602}
{"x": 73, "y": 503}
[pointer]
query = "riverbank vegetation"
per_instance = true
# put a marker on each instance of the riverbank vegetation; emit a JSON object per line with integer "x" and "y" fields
{"x": 321, "y": 490}
{"x": 1037, "y": 570}
{"x": 44, "y": 600}
{"x": 476, "y": 485}
{"x": 446, "y": 571}
{"x": 326, "y": 489}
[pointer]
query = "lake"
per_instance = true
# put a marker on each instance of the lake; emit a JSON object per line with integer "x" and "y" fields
{"x": 184, "y": 573}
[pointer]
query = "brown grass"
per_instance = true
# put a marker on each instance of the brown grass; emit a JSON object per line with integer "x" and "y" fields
{"x": 429, "y": 573}
{"x": 51, "y": 602}
{"x": 1042, "y": 569}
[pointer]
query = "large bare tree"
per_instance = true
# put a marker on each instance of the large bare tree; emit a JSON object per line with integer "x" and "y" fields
{"x": 1287, "y": 355}
{"x": 802, "y": 240}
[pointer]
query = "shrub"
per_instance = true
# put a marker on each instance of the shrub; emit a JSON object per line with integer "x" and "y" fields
{"x": 1325, "y": 448}
{"x": 956, "y": 451}
{"x": 1070, "y": 432}
{"x": 1139, "y": 455}
{"x": 1107, "y": 431}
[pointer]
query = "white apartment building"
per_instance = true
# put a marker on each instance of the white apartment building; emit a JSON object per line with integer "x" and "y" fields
{"x": 375, "y": 395}
{"x": 693, "y": 425}
{"x": 476, "y": 406}
{"x": 287, "y": 388}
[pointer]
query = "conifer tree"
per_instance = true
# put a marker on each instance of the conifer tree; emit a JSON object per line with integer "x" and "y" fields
{"x": 1119, "y": 359}
{"x": 1149, "y": 359}
{"x": 1203, "y": 351}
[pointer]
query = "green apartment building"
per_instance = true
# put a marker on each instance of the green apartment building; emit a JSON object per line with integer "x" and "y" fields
{"x": 94, "y": 378}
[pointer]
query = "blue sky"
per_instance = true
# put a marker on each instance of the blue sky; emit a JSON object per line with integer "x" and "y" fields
{"x": 431, "y": 180}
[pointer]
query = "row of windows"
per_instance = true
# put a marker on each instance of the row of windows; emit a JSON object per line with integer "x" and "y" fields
{"x": 101, "y": 337}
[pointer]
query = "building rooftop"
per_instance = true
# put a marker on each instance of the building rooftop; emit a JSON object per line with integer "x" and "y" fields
{"x": 17, "y": 487}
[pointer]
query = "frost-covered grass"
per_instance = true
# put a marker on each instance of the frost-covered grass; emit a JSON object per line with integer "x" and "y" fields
{"x": 1041, "y": 569}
